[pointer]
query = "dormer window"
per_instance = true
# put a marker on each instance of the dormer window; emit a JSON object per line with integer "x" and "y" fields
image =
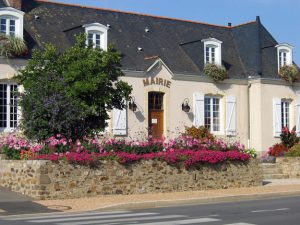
{"x": 96, "y": 35}
{"x": 285, "y": 55}
{"x": 212, "y": 51}
{"x": 11, "y": 22}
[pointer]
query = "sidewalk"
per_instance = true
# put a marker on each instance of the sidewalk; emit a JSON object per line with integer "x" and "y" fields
{"x": 273, "y": 188}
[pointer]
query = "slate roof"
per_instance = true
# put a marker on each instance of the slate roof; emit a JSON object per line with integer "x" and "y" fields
{"x": 247, "y": 49}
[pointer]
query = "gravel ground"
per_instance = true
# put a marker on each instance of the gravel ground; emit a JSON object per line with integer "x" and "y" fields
{"x": 273, "y": 187}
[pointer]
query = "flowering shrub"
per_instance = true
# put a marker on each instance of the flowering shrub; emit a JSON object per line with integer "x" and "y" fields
{"x": 188, "y": 157}
{"x": 289, "y": 138}
{"x": 251, "y": 152}
{"x": 277, "y": 150}
{"x": 89, "y": 151}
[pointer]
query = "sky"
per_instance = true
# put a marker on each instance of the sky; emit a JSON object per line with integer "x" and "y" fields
{"x": 280, "y": 17}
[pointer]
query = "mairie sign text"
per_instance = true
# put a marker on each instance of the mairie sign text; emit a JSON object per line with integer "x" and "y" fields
{"x": 157, "y": 81}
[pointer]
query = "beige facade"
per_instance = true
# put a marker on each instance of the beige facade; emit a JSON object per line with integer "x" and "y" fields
{"x": 254, "y": 103}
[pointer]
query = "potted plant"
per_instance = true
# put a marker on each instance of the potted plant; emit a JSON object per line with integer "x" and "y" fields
{"x": 216, "y": 72}
{"x": 11, "y": 46}
{"x": 289, "y": 73}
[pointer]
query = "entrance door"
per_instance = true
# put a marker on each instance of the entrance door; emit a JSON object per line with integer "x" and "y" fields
{"x": 156, "y": 114}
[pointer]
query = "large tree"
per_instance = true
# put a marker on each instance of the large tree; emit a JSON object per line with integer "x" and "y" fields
{"x": 70, "y": 93}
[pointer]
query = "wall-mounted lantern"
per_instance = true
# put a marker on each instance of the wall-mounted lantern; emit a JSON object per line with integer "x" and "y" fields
{"x": 132, "y": 105}
{"x": 185, "y": 105}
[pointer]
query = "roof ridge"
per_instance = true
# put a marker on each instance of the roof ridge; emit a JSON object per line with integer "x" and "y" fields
{"x": 141, "y": 14}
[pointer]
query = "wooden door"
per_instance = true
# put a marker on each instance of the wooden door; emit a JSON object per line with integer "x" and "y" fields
{"x": 156, "y": 123}
{"x": 156, "y": 114}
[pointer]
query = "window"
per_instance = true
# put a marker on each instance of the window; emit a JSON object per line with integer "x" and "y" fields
{"x": 285, "y": 55}
{"x": 210, "y": 54}
{"x": 212, "y": 51}
{"x": 8, "y": 106}
{"x": 11, "y": 22}
{"x": 285, "y": 113}
{"x": 212, "y": 113}
{"x": 96, "y": 35}
{"x": 282, "y": 58}
{"x": 8, "y": 27}
{"x": 94, "y": 39}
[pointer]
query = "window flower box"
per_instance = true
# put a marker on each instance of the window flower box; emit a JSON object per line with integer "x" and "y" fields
{"x": 11, "y": 47}
{"x": 289, "y": 73}
{"x": 216, "y": 72}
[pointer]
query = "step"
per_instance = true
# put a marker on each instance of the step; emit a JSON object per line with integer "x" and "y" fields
{"x": 268, "y": 165}
{"x": 272, "y": 170}
{"x": 276, "y": 176}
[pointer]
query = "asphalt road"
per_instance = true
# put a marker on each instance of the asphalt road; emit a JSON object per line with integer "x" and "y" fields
{"x": 12, "y": 203}
{"x": 279, "y": 211}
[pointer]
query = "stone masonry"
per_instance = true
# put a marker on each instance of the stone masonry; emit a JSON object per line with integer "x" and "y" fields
{"x": 289, "y": 166}
{"x": 48, "y": 180}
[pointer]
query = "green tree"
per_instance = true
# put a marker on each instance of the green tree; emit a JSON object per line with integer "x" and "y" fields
{"x": 70, "y": 93}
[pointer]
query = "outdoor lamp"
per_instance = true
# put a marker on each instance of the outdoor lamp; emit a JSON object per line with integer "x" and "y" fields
{"x": 185, "y": 105}
{"x": 132, "y": 105}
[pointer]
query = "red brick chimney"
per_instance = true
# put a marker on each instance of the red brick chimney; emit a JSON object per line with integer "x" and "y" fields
{"x": 17, "y": 4}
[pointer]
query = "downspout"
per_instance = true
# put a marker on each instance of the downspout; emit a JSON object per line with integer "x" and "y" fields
{"x": 249, "y": 118}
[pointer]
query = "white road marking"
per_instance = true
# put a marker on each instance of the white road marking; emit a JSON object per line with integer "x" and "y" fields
{"x": 63, "y": 215}
{"x": 240, "y": 224}
{"x": 133, "y": 220}
{"x": 90, "y": 217}
{"x": 182, "y": 222}
{"x": 269, "y": 210}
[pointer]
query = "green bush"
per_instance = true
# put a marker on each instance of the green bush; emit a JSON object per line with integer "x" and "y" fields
{"x": 11, "y": 154}
{"x": 216, "y": 72}
{"x": 294, "y": 151}
{"x": 251, "y": 152}
{"x": 70, "y": 93}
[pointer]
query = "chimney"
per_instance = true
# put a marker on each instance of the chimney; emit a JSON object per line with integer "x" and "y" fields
{"x": 17, "y": 4}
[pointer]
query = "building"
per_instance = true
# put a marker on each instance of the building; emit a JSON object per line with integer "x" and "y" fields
{"x": 163, "y": 61}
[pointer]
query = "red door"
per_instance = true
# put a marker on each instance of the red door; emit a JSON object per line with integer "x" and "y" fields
{"x": 156, "y": 114}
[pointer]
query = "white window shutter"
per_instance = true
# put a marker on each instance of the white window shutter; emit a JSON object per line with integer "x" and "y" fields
{"x": 120, "y": 122}
{"x": 298, "y": 117}
{"x": 231, "y": 115}
{"x": 198, "y": 105}
{"x": 277, "y": 117}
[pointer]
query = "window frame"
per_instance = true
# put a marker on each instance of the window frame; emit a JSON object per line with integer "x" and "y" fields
{"x": 284, "y": 49}
{"x": 211, "y": 98}
{"x": 8, "y": 127}
{"x": 97, "y": 29}
{"x": 217, "y": 45}
{"x": 285, "y": 113}
{"x": 9, "y": 14}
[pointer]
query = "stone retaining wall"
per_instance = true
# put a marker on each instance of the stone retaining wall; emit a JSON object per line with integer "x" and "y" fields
{"x": 289, "y": 166}
{"x": 47, "y": 180}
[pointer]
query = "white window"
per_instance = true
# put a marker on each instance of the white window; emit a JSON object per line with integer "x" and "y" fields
{"x": 96, "y": 35}
{"x": 8, "y": 107}
{"x": 11, "y": 22}
{"x": 210, "y": 54}
{"x": 8, "y": 26}
{"x": 212, "y": 113}
{"x": 283, "y": 58}
{"x": 285, "y": 113}
{"x": 212, "y": 51}
{"x": 285, "y": 55}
